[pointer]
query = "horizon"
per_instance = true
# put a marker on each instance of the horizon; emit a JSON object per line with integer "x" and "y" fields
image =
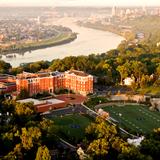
{"x": 78, "y": 3}
{"x": 78, "y": 6}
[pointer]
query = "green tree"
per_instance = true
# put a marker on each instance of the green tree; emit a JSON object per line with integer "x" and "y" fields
{"x": 151, "y": 144}
{"x": 15, "y": 154}
{"x": 30, "y": 137}
{"x": 43, "y": 153}
{"x": 138, "y": 69}
{"x": 123, "y": 72}
{"x": 158, "y": 70}
{"x": 25, "y": 109}
{"x": 144, "y": 81}
{"x": 103, "y": 139}
{"x": 23, "y": 94}
{"x": 122, "y": 47}
{"x": 104, "y": 142}
{"x": 34, "y": 67}
{"x": 4, "y": 67}
{"x": 23, "y": 130}
{"x": 133, "y": 154}
{"x": 108, "y": 69}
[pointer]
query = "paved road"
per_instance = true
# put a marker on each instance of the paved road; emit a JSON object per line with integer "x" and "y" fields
{"x": 103, "y": 90}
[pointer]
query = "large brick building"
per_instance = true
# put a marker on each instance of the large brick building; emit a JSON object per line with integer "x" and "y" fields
{"x": 39, "y": 82}
{"x": 34, "y": 83}
{"x": 7, "y": 83}
{"x": 45, "y": 105}
{"x": 79, "y": 82}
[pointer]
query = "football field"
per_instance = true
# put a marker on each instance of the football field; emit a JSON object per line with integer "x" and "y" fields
{"x": 134, "y": 118}
{"x": 72, "y": 127}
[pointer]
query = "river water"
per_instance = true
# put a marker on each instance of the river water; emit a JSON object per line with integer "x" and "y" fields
{"x": 88, "y": 41}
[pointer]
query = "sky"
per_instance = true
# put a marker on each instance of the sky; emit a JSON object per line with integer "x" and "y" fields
{"x": 79, "y": 3}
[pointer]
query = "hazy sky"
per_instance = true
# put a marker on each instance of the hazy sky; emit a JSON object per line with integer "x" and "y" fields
{"x": 79, "y": 2}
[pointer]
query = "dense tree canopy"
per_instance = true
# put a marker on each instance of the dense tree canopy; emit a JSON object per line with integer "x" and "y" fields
{"x": 22, "y": 130}
{"x": 105, "y": 142}
{"x": 4, "y": 67}
{"x": 43, "y": 153}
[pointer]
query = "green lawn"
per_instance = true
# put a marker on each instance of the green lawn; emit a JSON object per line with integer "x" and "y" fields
{"x": 135, "y": 118}
{"x": 72, "y": 127}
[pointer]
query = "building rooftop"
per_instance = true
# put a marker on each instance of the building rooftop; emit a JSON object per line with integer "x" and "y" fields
{"x": 40, "y": 102}
{"x": 8, "y": 83}
{"x": 6, "y": 75}
{"x": 78, "y": 73}
{"x": 27, "y": 75}
{"x": 35, "y": 101}
{"x": 54, "y": 101}
{"x": 45, "y": 105}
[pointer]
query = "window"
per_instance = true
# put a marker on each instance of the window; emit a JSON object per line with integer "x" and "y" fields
{"x": 50, "y": 91}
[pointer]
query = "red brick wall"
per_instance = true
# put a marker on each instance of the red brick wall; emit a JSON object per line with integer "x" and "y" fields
{"x": 21, "y": 84}
{"x": 46, "y": 107}
{"x": 11, "y": 88}
{"x": 79, "y": 84}
{"x": 83, "y": 85}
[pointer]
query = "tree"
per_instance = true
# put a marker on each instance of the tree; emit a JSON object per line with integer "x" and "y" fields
{"x": 123, "y": 72}
{"x": 98, "y": 147}
{"x": 23, "y": 94}
{"x": 43, "y": 153}
{"x": 30, "y": 137}
{"x": 138, "y": 69}
{"x": 133, "y": 154}
{"x": 122, "y": 47}
{"x": 144, "y": 81}
{"x": 4, "y": 67}
{"x": 113, "y": 52}
{"x": 151, "y": 144}
{"x": 57, "y": 65}
{"x": 129, "y": 35}
{"x": 15, "y": 154}
{"x": 108, "y": 69}
{"x": 16, "y": 70}
{"x": 34, "y": 67}
{"x": 104, "y": 142}
{"x": 158, "y": 70}
{"x": 25, "y": 109}
{"x": 23, "y": 130}
{"x": 103, "y": 139}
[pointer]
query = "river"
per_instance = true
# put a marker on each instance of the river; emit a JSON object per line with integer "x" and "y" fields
{"x": 88, "y": 41}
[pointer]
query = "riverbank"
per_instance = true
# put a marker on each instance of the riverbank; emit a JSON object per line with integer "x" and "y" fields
{"x": 87, "y": 41}
{"x": 128, "y": 35}
{"x": 139, "y": 29}
{"x": 108, "y": 28}
{"x": 61, "y": 39}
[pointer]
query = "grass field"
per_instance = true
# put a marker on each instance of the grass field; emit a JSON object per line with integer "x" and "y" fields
{"x": 135, "y": 118}
{"x": 72, "y": 127}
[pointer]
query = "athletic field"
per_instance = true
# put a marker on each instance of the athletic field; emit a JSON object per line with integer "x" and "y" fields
{"x": 72, "y": 127}
{"x": 135, "y": 118}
